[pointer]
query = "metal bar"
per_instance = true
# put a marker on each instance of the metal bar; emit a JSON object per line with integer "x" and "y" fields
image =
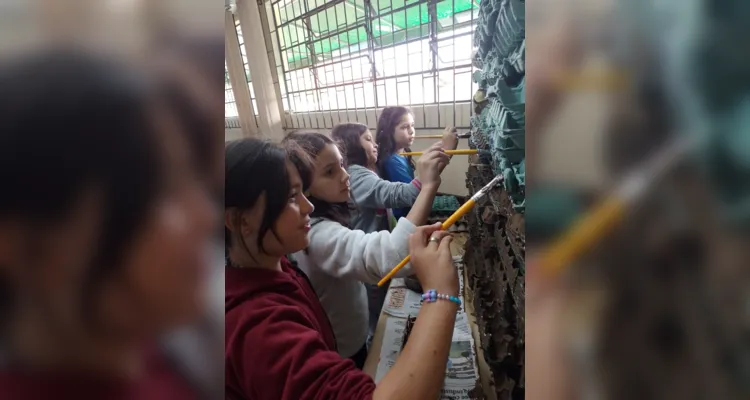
{"x": 346, "y": 83}
{"x": 453, "y": 38}
{"x": 283, "y": 72}
{"x": 330, "y": 34}
{"x": 334, "y": 3}
{"x": 330, "y": 45}
{"x": 432, "y": 13}
{"x": 369, "y": 10}
{"x": 313, "y": 58}
{"x": 426, "y": 104}
{"x": 424, "y": 108}
{"x": 341, "y": 67}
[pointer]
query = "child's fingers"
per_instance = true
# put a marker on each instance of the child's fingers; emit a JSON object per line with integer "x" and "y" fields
{"x": 428, "y": 230}
{"x": 432, "y": 154}
{"x": 435, "y": 146}
{"x": 445, "y": 242}
{"x": 420, "y": 237}
{"x": 440, "y": 235}
{"x": 443, "y": 158}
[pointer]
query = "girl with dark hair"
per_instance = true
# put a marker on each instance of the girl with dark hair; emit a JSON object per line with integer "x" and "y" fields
{"x": 104, "y": 226}
{"x": 373, "y": 196}
{"x": 279, "y": 342}
{"x": 370, "y": 194}
{"x": 339, "y": 259}
{"x": 395, "y": 133}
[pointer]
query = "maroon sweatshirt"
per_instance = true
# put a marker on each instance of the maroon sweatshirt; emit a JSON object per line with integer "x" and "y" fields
{"x": 279, "y": 343}
{"x": 160, "y": 382}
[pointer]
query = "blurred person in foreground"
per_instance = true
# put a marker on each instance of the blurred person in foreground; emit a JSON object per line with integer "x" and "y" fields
{"x": 658, "y": 310}
{"x": 104, "y": 226}
{"x": 556, "y": 51}
{"x": 191, "y": 69}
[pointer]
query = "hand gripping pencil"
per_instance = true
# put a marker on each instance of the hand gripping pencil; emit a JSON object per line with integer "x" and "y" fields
{"x": 463, "y": 210}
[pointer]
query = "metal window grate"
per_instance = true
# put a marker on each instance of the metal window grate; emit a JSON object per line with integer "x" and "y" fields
{"x": 243, "y": 51}
{"x": 361, "y": 55}
{"x": 230, "y": 104}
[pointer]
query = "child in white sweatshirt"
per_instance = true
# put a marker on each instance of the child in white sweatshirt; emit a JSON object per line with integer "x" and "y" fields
{"x": 339, "y": 259}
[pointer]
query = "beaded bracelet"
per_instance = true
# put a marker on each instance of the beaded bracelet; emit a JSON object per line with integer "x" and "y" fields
{"x": 432, "y": 296}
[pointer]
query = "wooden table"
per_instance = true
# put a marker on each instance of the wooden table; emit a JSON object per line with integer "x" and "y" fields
{"x": 485, "y": 376}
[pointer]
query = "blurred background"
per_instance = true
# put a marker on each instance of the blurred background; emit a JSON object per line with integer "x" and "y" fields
{"x": 656, "y": 306}
{"x": 174, "y": 51}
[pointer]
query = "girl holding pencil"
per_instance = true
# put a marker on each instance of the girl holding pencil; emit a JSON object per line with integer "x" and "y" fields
{"x": 395, "y": 134}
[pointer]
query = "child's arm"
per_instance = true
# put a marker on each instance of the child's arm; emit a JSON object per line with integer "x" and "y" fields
{"x": 422, "y": 207}
{"x": 368, "y": 190}
{"x": 345, "y": 253}
{"x": 430, "y": 165}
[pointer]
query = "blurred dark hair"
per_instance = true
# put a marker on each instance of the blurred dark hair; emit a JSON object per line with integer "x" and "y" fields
{"x": 203, "y": 127}
{"x": 205, "y": 53}
{"x": 313, "y": 143}
{"x": 200, "y": 128}
{"x": 249, "y": 174}
{"x": 387, "y": 123}
{"x": 347, "y": 136}
{"x": 71, "y": 122}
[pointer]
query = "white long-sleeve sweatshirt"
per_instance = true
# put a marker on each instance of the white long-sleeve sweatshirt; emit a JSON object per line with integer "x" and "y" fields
{"x": 338, "y": 261}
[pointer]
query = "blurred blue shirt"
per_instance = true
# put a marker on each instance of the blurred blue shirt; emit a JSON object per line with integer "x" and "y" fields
{"x": 397, "y": 169}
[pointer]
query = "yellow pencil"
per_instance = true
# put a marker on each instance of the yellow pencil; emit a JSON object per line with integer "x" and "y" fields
{"x": 429, "y": 137}
{"x": 582, "y": 235}
{"x": 449, "y": 152}
{"x": 463, "y": 210}
{"x": 460, "y": 136}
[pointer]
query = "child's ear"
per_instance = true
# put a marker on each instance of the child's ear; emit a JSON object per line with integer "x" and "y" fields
{"x": 231, "y": 219}
{"x": 248, "y": 221}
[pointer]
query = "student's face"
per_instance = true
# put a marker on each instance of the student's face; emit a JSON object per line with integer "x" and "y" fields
{"x": 162, "y": 281}
{"x": 289, "y": 233}
{"x": 158, "y": 282}
{"x": 330, "y": 182}
{"x": 46, "y": 264}
{"x": 370, "y": 147}
{"x": 403, "y": 135}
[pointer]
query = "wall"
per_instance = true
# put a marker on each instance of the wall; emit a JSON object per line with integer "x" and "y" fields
{"x": 232, "y": 134}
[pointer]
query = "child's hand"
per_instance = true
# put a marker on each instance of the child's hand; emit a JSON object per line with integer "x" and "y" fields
{"x": 450, "y": 138}
{"x": 432, "y": 260}
{"x": 430, "y": 165}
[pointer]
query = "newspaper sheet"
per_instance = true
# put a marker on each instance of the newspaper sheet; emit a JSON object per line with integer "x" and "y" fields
{"x": 401, "y": 302}
{"x": 461, "y": 370}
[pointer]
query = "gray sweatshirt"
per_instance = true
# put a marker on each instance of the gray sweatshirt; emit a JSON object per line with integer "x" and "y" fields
{"x": 338, "y": 261}
{"x": 372, "y": 196}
